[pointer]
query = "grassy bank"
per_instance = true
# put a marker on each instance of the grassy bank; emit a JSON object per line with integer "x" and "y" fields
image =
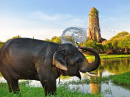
{"x": 122, "y": 79}
{"x": 102, "y": 56}
{"x": 63, "y": 90}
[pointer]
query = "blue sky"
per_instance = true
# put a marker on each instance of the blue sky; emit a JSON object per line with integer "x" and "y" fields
{"x": 47, "y": 18}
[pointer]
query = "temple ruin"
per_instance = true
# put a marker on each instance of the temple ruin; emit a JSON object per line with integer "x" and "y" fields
{"x": 94, "y": 28}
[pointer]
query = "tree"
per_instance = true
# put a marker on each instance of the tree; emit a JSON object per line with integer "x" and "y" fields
{"x": 15, "y": 37}
{"x": 126, "y": 41}
{"x": 54, "y": 39}
{"x": 90, "y": 43}
{"x": 120, "y": 35}
{"x": 1, "y": 44}
{"x": 47, "y": 39}
{"x": 99, "y": 47}
{"x": 115, "y": 43}
{"x": 118, "y": 41}
{"x": 120, "y": 44}
{"x": 108, "y": 45}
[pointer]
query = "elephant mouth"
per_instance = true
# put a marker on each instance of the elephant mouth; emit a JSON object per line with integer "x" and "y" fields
{"x": 79, "y": 75}
{"x": 71, "y": 73}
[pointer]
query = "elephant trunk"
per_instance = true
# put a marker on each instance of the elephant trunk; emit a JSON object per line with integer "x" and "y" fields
{"x": 86, "y": 67}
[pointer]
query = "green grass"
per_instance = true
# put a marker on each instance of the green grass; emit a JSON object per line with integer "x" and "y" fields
{"x": 25, "y": 91}
{"x": 109, "y": 56}
{"x": 122, "y": 79}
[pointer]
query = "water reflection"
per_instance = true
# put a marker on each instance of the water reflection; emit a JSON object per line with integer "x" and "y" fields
{"x": 116, "y": 66}
{"x": 108, "y": 90}
{"x": 109, "y": 67}
{"x": 95, "y": 87}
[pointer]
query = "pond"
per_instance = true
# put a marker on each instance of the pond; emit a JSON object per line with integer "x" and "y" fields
{"x": 107, "y": 67}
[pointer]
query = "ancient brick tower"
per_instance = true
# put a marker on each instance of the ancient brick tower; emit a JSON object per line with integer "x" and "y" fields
{"x": 94, "y": 29}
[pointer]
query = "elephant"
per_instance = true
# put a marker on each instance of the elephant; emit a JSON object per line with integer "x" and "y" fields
{"x": 34, "y": 59}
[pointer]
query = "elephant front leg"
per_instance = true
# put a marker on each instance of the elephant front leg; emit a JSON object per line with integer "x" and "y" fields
{"x": 49, "y": 86}
{"x": 48, "y": 81}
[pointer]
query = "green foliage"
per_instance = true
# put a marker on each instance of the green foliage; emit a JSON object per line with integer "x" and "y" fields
{"x": 1, "y": 44}
{"x": 54, "y": 39}
{"x": 96, "y": 11}
{"x": 115, "y": 43}
{"x": 47, "y": 39}
{"x": 122, "y": 79}
{"x": 15, "y": 37}
{"x": 90, "y": 43}
{"x": 119, "y": 41}
{"x": 108, "y": 45}
{"x": 126, "y": 41}
{"x": 93, "y": 44}
{"x": 99, "y": 46}
{"x": 120, "y": 35}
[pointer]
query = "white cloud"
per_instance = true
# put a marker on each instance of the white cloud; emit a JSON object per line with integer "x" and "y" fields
{"x": 37, "y": 24}
{"x": 45, "y": 17}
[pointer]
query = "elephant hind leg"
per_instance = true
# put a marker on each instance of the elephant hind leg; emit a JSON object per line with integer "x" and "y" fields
{"x": 13, "y": 85}
{"x": 12, "y": 80}
{"x": 9, "y": 86}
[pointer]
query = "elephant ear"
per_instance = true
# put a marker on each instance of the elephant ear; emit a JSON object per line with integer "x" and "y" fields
{"x": 59, "y": 60}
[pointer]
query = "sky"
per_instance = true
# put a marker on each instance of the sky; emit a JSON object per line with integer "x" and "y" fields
{"x": 44, "y": 19}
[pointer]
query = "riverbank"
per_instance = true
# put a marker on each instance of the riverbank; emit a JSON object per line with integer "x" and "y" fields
{"x": 26, "y": 91}
{"x": 64, "y": 90}
{"x": 102, "y": 56}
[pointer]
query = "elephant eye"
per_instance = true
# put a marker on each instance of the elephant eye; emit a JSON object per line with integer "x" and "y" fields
{"x": 79, "y": 60}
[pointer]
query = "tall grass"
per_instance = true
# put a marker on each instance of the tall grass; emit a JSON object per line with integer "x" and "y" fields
{"x": 26, "y": 91}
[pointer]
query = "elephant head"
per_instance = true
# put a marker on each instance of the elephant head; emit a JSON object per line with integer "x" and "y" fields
{"x": 71, "y": 61}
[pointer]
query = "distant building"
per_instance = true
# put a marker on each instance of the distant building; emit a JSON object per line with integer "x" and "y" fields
{"x": 94, "y": 28}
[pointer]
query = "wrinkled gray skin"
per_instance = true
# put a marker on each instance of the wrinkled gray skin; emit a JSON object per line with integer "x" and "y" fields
{"x": 31, "y": 59}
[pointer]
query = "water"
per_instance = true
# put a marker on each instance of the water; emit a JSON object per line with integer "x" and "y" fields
{"x": 107, "y": 67}
{"x": 108, "y": 90}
